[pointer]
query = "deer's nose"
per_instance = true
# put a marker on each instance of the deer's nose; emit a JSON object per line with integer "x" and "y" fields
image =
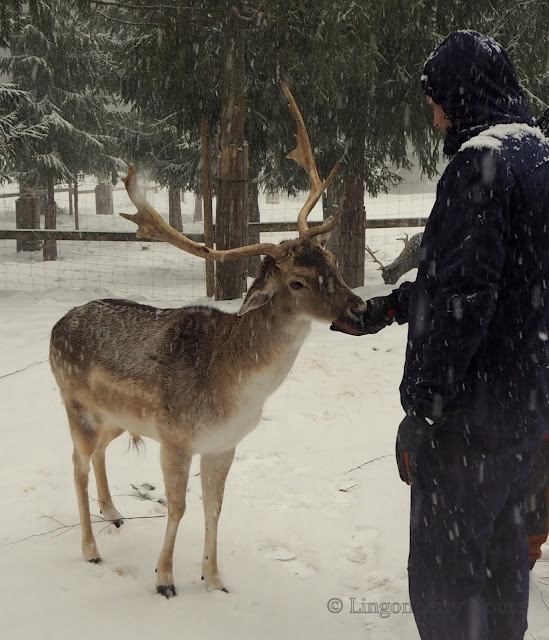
{"x": 356, "y": 307}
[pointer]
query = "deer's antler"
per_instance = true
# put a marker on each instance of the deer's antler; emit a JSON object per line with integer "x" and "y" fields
{"x": 303, "y": 155}
{"x": 406, "y": 241}
{"x": 150, "y": 224}
{"x": 373, "y": 255}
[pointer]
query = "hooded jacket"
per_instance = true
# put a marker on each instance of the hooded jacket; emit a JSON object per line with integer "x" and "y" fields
{"x": 477, "y": 356}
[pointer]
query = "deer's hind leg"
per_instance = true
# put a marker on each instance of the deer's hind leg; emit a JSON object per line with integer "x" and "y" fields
{"x": 214, "y": 468}
{"x": 106, "y": 505}
{"x": 85, "y": 437}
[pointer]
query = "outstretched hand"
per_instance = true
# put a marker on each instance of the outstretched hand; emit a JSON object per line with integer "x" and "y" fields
{"x": 379, "y": 313}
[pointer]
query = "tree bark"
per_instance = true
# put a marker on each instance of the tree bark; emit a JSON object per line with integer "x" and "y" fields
{"x": 50, "y": 245}
{"x": 198, "y": 215}
{"x": 231, "y": 229}
{"x": 71, "y": 193}
{"x": 352, "y": 227}
{"x": 254, "y": 215}
{"x": 333, "y": 200}
{"x": 27, "y": 216}
{"x": 76, "y": 218}
{"x": 174, "y": 209}
{"x": 352, "y": 232}
{"x": 205, "y": 141}
{"x": 104, "y": 205}
{"x": 232, "y": 174}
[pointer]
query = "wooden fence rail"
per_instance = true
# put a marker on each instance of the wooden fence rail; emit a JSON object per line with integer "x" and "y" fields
{"x": 129, "y": 236}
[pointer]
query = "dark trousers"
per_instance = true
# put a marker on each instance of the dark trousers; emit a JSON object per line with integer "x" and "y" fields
{"x": 537, "y": 503}
{"x": 468, "y": 563}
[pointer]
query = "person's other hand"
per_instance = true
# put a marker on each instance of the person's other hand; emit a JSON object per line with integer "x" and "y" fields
{"x": 412, "y": 432}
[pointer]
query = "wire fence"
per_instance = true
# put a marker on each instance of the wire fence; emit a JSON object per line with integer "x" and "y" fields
{"x": 104, "y": 256}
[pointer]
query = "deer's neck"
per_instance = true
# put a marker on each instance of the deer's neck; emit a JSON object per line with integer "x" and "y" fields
{"x": 269, "y": 333}
{"x": 261, "y": 349}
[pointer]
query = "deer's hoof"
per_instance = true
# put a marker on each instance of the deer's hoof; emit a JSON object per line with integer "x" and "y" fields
{"x": 168, "y": 591}
{"x": 215, "y": 585}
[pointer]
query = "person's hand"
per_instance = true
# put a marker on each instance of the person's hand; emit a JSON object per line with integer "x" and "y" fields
{"x": 379, "y": 313}
{"x": 412, "y": 432}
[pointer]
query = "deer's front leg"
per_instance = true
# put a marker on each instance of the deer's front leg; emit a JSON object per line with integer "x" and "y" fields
{"x": 213, "y": 473}
{"x": 175, "y": 463}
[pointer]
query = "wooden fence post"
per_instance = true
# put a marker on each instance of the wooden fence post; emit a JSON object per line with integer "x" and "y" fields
{"x": 27, "y": 216}
{"x": 103, "y": 198}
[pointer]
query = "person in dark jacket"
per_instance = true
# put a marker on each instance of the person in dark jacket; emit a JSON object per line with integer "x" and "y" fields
{"x": 537, "y": 502}
{"x": 475, "y": 387}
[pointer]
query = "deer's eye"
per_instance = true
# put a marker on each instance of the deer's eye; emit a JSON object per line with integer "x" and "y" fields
{"x": 295, "y": 284}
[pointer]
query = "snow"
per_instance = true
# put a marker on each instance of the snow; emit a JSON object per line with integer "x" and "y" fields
{"x": 314, "y": 508}
{"x": 492, "y": 138}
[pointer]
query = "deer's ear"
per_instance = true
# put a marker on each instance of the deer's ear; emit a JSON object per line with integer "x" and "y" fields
{"x": 322, "y": 239}
{"x": 261, "y": 292}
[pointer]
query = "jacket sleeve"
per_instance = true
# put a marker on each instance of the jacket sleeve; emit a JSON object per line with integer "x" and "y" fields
{"x": 402, "y": 297}
{"x": 464, "y": 276}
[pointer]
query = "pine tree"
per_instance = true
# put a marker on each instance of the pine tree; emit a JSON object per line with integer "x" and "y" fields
{"x": 354, "y": 68}
{"x": 17, "y": 136}
{"x": 60, "y": 66}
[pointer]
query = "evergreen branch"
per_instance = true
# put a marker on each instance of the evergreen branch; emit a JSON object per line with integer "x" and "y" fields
{"x": 10, "y": 91}
{"x": 127, "y": 22}
{"x": 57, "y": 121}
{"x": 535, "y": 98}
{"x": 125, "y": 5}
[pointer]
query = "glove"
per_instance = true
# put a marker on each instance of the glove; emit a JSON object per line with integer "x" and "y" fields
{"x": 379, "y": 313}
{"x": 413, "y": 431}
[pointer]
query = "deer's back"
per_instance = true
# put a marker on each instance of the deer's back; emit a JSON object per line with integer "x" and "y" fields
{"x": 132, "y": 339}
{"x": 123, "y": 357}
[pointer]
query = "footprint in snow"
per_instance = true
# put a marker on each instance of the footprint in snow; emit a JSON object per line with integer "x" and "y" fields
{"x": 287, "y": 558}
{"x": 362, "y": 545}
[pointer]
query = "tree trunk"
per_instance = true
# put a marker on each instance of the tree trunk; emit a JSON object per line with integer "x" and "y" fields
{"x": 352, "y": 226}
{"x": 104, "y": 205}
{"x": 231, "y": 229}
{"x": 71, "y": 193}
{"x": 197, "y": 214}
{"x": 174, "y": 209}
{"x": 50, "y": 245}
{"x": 27, "y": 216}
{"x": 352, "y": 232}
{"x": 333, "y": 201}
{"x": 205, "y": 141}
{"x": 254, "y": 215}
{"x": 232, "y": 191}
{"x": 76, "y": 219}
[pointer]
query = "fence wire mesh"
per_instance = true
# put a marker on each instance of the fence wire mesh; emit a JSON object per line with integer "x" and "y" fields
{"x": 159, "y": 272}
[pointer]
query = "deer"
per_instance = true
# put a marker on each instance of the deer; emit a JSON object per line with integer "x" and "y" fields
{"x": 194, "y": 378}
{"x": 407, "y": 259}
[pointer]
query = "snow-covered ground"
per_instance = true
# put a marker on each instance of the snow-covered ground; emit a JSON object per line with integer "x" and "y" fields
{"x": 315, "y": 518}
